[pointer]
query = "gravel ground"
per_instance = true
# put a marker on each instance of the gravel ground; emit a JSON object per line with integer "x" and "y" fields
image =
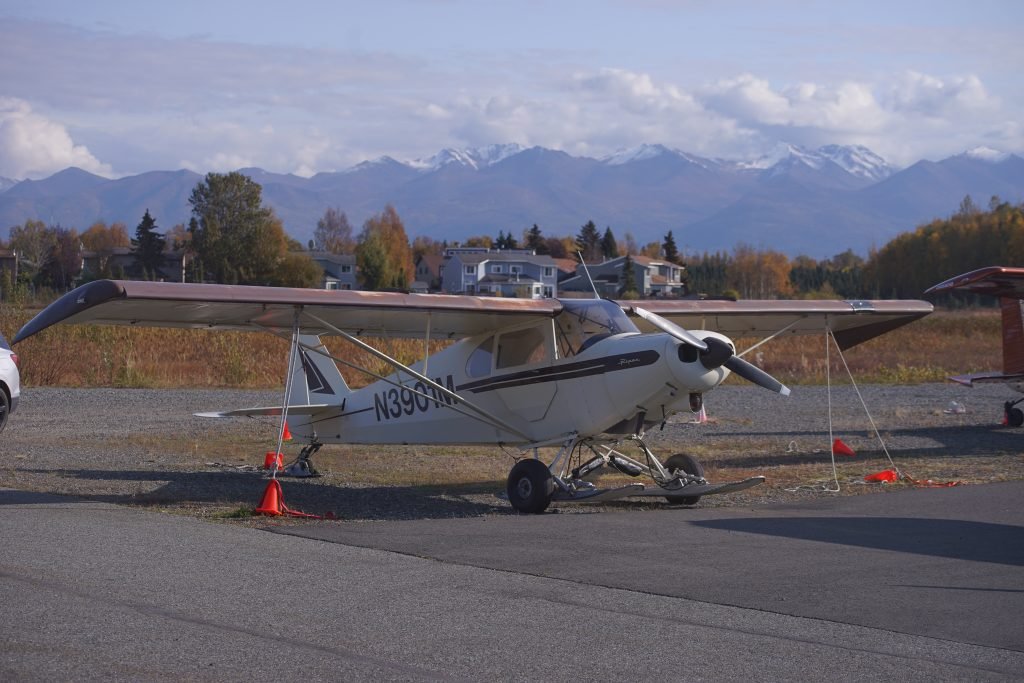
{"x": 144, "y": 447}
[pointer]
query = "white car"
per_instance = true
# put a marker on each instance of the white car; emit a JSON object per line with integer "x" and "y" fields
{"x": 10, "y": 384}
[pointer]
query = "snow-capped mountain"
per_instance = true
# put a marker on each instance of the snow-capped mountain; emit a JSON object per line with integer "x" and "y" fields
{"x": 645, "y": 152}
{"x": 818, "y": 202}
{"x": 856, "y": 160}
{"x": 475, "y": 158}
{"x": 986, "y": 154}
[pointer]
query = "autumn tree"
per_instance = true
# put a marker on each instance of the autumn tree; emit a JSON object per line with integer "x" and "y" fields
{"x": 588, "y": 241}
{"x": 33, "y": 242}
{"x": 423, "y": 245}
{"x": 383, "y": 255}
{"x": 63, "y": 262}
{"x": 759, "y": 274}
{"x": 148, "y": 247}
{"x": 235, "y": 238}
{"x": 103, "y": 241}
{"x": 609, "y": 247}
{"x": 334, "y": 233}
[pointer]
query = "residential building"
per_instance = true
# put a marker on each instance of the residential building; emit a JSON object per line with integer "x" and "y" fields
{"x": 339, "y": 269}
{"x": 428, "y": 273}
{"x": 653, "y": 278}
{"x": 499, "y": 272}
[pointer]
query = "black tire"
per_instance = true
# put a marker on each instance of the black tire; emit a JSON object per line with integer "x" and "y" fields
{"x": 689, "y": 464}
{"x": 530, "y": 486}
{"x": 1015, "y": 417}
{"x": 5, "y": 408}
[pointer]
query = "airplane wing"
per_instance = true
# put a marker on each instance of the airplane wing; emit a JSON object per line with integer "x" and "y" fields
{"x": 993, "y": 281}
{"x": 238, "y": 307}
{"x": 852, "y": 322}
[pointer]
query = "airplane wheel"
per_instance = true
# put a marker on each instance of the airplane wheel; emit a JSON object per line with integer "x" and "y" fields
{"x": 5, "y": 408}
{"x": 530, "y": 486}
{"x": 689, "y": 464}
{"x": 1015, "y": 417}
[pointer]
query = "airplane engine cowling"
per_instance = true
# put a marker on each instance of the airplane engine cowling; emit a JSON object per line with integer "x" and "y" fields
{"x": 699, "y": 371}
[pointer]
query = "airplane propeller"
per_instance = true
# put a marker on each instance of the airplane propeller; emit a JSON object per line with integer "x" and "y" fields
{"x": 715, "y": 353}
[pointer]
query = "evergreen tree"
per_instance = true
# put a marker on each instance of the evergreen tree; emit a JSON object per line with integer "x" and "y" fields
{"x": 148, "y": 246}
{"x": 588, "y": 241}
{"x": 609, "y": 247}
{"x": 670, "y": 250}
{"x": 536, "y": 241}
{"x": 627, "y": 288}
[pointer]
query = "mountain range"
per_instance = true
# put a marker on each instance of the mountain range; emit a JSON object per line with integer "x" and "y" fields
{"x": 795, "y": 200}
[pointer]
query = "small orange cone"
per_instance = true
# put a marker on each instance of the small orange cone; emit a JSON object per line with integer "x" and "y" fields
{"x": 268, "y": 460}
{"x": 840, "y": 448}
{"x": 883, "y": 477}
{"x": 287, "y": 433}
{"x": 273, "y": 500}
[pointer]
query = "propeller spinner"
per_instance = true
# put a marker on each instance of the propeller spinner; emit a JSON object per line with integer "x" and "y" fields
{"x": 714, "y": 353}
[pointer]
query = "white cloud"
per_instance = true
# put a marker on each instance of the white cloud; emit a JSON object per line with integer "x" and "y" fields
{"x": 32, "y": 146}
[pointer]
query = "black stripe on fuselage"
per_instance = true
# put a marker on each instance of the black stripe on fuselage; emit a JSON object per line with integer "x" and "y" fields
{"x": 597, "y": 366}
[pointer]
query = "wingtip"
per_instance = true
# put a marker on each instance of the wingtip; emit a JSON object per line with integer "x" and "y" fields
{"x": 785, "y": 391}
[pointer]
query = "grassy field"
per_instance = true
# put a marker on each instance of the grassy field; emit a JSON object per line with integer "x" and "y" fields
{"x": 944, "y": 343}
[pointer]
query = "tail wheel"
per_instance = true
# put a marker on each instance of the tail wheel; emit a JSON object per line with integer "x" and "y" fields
{"x": 1015, "y": 417}
{"x": 690, "y": 465}
{"x": 530, "y": 486}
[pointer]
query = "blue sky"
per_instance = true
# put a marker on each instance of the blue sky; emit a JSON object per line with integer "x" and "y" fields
{"x": 307, "y": 86}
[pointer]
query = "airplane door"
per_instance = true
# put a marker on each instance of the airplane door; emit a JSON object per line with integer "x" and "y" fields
{"x": 523, "y": 368}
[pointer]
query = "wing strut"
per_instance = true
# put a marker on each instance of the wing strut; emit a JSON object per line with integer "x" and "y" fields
{"x": 483, "y": 414}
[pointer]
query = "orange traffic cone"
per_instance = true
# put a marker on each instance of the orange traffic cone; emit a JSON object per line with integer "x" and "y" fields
{"x": 840, "y": 448}
{"x": 268, "y": 460}
{"x": 883, "y": 477}
{"x": 287, "y": 433}
{"x": 273, "y": 500}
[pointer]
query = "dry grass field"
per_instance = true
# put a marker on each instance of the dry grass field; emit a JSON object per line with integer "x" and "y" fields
{"x": 944, "y": 343}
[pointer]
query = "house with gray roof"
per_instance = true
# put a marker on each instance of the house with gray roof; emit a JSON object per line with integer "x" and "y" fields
{"x": 499, "y": 272}
{"x": 653, "y": 277}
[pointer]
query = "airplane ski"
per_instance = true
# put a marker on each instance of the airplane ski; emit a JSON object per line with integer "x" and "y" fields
{"x": 595, "y": 495}
{"x": 703, "y": 489}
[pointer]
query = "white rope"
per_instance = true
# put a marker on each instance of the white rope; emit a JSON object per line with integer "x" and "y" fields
{"x": 293, "y": 353}
{"x": 865, "y": 405}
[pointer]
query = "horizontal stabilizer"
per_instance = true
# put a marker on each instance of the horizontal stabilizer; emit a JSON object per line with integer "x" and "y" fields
{"x": 272, "y": 410}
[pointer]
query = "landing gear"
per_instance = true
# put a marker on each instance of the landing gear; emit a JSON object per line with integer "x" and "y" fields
{"x": 1014, "y": 416}
{"x": 687, "y": 464}
{"x": 530, "y": 486}
{"x": 302, "y": 466}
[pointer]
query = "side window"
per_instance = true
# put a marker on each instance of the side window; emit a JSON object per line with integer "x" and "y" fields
{"x": 479, "y": 363}
{"x": 522, "y": 347}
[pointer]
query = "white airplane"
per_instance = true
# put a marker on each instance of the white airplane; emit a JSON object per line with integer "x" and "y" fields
{"x": 1007, "y": 284}
{"x": 588, "y": 376}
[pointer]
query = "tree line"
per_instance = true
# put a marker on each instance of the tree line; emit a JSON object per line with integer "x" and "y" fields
{"x": 233, "y": 238}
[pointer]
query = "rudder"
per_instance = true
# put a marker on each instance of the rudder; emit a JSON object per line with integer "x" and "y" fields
{"x": 316, "y": 378}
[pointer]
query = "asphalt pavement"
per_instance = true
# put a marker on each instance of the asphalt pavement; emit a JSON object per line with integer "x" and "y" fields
{"x": 913, "y": 585}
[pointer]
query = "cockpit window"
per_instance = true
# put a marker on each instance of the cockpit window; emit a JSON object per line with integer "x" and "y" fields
{"x": 479, "y": 363}
{"x": 522, "y": 347}
{"x": 584, "y": 322}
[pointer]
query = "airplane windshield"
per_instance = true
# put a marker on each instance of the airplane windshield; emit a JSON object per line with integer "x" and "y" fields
{"x": 584, "y": 322}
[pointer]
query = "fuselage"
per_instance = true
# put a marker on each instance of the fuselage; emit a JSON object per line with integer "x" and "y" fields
{"x": 587, "y": 374}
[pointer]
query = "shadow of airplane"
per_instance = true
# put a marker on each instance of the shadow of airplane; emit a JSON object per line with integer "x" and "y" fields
{"x": 309, "y": 495}
{"x": 951, "y": 538}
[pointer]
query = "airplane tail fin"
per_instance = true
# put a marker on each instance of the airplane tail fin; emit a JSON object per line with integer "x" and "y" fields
{"x": 1013, "y": 334}
{"x": 316, "y": 379}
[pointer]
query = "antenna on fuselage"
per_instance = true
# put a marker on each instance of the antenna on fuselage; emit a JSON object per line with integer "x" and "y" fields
{"x": 587, "y": 271}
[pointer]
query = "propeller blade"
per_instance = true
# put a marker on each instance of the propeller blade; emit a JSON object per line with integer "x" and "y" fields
{"x": 754, "y": 374}
{"x": 671, "y": 328}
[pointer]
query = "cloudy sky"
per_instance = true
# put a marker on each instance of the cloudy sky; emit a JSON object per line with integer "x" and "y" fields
{"x": 121, "y": 87}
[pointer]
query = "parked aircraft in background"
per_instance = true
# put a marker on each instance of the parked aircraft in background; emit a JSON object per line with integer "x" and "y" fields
{"x": 1008, "y": 285}
{"x": 587, "y": 376}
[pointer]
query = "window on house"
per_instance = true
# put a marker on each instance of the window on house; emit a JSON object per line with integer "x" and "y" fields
{"x": 496, "y": 268}
{"x": 346, "y": 269}
{"x": 515, "y": 269}
{"x": 549, "y": 271}
{"x": 470, "y": 270}
{"x": 332, "y": 285}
